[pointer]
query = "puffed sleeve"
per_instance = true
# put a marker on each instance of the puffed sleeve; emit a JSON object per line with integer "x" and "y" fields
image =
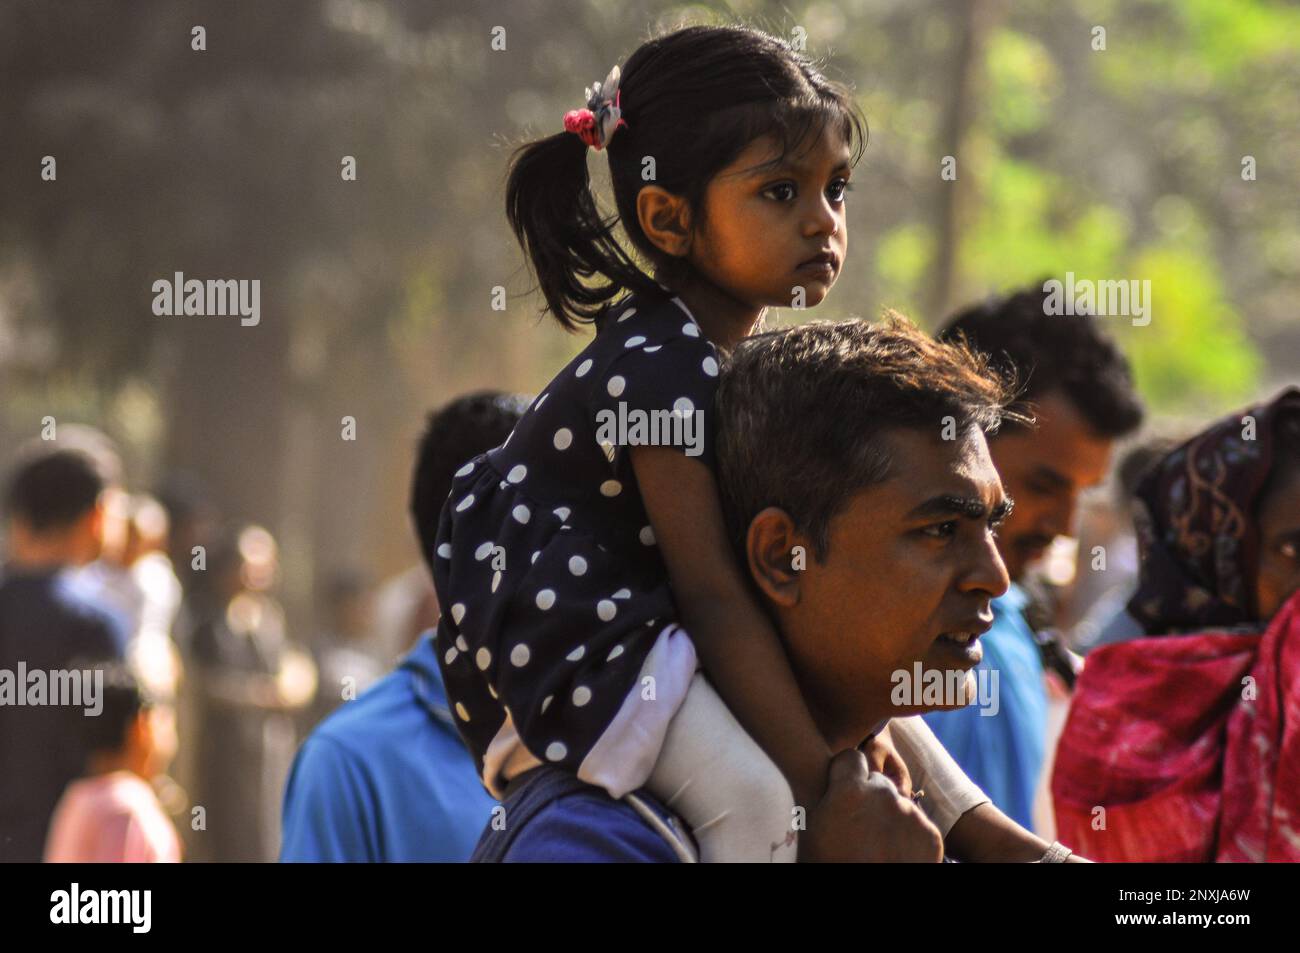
{"x": 659, "y": 393}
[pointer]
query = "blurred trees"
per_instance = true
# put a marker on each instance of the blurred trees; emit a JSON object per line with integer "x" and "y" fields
{"x": 1117, "y": 163}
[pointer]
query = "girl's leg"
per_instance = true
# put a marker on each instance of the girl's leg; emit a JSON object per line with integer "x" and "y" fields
{"x": 718, "y": 780}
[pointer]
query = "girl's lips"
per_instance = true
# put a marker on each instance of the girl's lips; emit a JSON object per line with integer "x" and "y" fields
{"x": 822, "y": 264}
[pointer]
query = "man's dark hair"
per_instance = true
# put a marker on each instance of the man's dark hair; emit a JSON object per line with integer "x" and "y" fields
{"x": 454, "y": 434}
{"x": 1136, "y": 462}
{"x": 1042, "y": 352}
{"x": 802, "y": 412}
{"x": 57, "y": 482}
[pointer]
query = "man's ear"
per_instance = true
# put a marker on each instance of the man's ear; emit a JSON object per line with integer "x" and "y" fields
{"x": 770, "y": 552}
{"x": 666, "y": 220}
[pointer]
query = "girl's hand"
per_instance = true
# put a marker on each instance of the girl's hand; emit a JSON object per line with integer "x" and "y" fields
{"x": 882, "y": 756}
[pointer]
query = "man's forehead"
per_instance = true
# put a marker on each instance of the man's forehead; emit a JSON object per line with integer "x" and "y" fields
{"x": 1061, "y": 449}
{"x": 924, "y": 466}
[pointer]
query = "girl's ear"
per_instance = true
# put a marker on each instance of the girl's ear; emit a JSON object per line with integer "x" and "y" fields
{"x": 666, "y": 220}
{"x": 770, "y": 552}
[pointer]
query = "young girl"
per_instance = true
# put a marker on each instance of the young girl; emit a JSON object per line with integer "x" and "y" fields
{"x": 584, "y": 568}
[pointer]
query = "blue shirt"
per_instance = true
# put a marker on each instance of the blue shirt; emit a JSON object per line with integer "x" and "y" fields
{"x": 553, "y": 817}
{"x": 386, "y": 777}
{"x": 1003, "y": 752}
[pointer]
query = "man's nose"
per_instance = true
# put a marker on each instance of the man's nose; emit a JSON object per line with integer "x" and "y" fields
{"x": 988, "y": 573}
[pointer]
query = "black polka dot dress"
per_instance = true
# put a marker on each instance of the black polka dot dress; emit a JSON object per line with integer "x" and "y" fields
{"x": 556, "y": 606}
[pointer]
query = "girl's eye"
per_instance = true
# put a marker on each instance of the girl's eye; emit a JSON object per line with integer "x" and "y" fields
{"x": 785, "y": 188}
{"x": 1290, "y": 549}
{"x": 941, "y": 530}
{"x": 839, "y": 188}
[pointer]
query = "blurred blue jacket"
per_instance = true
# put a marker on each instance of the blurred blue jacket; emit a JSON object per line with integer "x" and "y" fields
{"x": 1003, "y": 752}
{"x": 386, "y": 777}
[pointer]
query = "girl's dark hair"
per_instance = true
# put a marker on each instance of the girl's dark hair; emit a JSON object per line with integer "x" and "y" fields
{"x": 693, "y": 100}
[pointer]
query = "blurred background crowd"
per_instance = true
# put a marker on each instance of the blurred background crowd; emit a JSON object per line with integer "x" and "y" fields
{"x": 253, "y": 552}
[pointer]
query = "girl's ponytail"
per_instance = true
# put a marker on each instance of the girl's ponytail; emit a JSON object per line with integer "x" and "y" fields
{"x": 553, "y": 214}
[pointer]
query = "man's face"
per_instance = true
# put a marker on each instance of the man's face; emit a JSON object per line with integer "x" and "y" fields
{"x": 762, "y": 226}
{"x": 1044, "y": 469}
{"x": 911, "y": 561}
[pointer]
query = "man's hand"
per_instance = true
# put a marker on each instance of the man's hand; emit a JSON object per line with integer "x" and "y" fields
{"x": 863, "y": 819}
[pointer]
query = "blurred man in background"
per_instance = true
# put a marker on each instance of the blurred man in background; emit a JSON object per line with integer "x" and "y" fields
{"x": 345, "y": 668}
{"x": 1078, "y": 385}
{"x": 56, "y": 505}
{"x": 250, "y": 680}
{"x": 135, "y": 578}
{"x": 387, "y": 777}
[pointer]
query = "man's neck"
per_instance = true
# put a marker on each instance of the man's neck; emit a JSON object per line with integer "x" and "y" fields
{"x": 855, "y": 727}
{"x": 43, "y": 552}
{"x": 37, "y": 563}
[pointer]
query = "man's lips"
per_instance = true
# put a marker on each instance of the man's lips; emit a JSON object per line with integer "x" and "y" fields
{"x": 967, "y": 632}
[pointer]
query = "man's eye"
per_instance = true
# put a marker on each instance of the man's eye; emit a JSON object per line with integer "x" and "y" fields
{"x": 941, "y": 530}
{"x": 785, "y": 188}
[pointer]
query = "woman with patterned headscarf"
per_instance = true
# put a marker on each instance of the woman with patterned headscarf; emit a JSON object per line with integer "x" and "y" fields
{"x": 1184, "y": 745}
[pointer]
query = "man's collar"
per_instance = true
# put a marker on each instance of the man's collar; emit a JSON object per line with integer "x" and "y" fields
{"x": 426, "y": 678}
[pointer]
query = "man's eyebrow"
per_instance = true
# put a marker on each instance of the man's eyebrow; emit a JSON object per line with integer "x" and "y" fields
{"x": 951, "y": 505}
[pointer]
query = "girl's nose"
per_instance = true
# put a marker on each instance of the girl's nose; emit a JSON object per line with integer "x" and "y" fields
{"x": 824, "y": 218}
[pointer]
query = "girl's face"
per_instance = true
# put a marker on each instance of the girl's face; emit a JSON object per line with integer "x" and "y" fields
{"x": 765, "y": 228}
{"x": 1279, "y": 535}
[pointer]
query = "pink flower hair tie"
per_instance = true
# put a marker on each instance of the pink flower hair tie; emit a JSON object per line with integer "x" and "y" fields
{"x": 596, "y": 124}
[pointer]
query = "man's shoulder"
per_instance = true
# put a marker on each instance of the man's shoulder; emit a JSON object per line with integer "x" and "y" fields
{"x": 60, "y": 603}
{"x": 367, "y": 719}
{"x": 553, "y": 817}
{"x": 389, "y": 725}
{"x": 385, "y": 777}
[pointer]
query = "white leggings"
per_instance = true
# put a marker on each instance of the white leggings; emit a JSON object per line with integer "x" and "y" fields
{"x": 738, "y": 803}
{"x": 714, "y": 776}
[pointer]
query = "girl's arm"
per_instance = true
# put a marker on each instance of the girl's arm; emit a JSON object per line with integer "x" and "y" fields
{"x": 986, "y": 835}
{"x": 733, "y": 637}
